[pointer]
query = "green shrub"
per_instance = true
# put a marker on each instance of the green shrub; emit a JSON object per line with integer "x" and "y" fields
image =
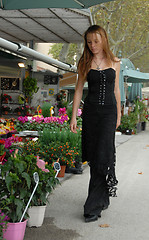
{"x": 46, "y": 109}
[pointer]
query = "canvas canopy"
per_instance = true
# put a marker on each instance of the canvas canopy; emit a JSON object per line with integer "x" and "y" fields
{"x": 134, "y": 76}
{"x": 28, "y": 4}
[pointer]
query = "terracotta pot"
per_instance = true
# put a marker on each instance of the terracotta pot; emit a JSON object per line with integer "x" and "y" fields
{"x": 62, "y": 172}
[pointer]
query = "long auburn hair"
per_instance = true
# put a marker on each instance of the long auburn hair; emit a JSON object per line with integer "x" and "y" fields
{"x": 84, "y": 63}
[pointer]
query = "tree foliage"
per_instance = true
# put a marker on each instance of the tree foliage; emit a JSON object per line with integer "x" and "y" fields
{"x": 72, "y": 52}
{"x": 127, "y": 25}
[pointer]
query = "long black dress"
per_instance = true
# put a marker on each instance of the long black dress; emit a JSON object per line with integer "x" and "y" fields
{"x": 98, "y": 138}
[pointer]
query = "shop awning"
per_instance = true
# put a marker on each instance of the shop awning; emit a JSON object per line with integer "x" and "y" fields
{"x": 18, "y": 4}
{"x": 134, "y": 76}
{"x": 44, "y": 25}
{"x": 135, "y": 91}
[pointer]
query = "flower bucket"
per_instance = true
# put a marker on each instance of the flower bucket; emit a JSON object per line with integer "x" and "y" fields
{"x": 62, "y": 172}
{"x": 36, "y": 216}
{"x": 15, "y": 231}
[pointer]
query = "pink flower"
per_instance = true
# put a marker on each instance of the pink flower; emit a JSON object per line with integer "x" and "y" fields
{"x": 23, "y": 119}
{"x": 41, "y": 164}
{"x": 16, "y": 152}
{"x": 45, "y": 170}
{"x": 62, "y": 111}
{"x": 79, "y": 112}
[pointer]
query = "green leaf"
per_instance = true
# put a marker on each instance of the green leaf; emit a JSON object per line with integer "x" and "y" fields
{"x": 27, "y": 178}
{"x": 23, "y": 193}
{"x": 8, "y": 181}
{"x": 19, "y": 203}
{"x": 20, "y": 166}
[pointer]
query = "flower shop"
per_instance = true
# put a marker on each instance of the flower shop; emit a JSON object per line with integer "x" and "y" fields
{"x": 34, "y": 135}
{"x": 32, "y": 144}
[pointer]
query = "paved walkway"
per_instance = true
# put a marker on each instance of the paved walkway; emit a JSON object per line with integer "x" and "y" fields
{"x": 128, "y": 214}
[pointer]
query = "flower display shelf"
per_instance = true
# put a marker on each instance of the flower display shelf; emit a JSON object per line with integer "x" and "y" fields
{"x": 28, "y": 133}
{"x": 8, "y": 134}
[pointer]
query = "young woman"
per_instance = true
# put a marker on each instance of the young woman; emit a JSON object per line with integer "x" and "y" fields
{"x": 101, "y": 116}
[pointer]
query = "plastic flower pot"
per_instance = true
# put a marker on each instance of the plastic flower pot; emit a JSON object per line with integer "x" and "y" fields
{"x": 36, "y": 216}
{"x": 15, "y": 231}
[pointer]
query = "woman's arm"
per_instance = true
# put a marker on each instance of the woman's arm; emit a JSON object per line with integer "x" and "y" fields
{"x": 117, "y": 93}
{"x": 76, "y": 102}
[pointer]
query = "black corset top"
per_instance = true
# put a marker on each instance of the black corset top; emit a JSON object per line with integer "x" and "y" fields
{"x": 101, "y": 86}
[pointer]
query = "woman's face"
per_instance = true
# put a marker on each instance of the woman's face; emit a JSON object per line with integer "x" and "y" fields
{"x": 94, "y": 42}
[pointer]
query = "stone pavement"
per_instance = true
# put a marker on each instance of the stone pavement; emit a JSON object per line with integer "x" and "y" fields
{"x": 128, "y": 214}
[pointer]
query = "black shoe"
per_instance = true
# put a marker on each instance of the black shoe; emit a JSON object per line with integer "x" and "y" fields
{"x": 91, "y": 218}
{"x": 105, "y": 207}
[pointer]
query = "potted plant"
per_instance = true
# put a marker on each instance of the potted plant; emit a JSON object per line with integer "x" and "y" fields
{"x": 6, "y": 109}
{"x": 61, "y": 98}
{"x": 38, "y": 204}
{"x": 6, "y": 98}
{"x": 140, "y": 109}
{"x": 61, "y": 145}
{"x": 19, "y": 110}
{"x": 17, "y": 184}
{"x": 46, "y": 109}
{"x": 30, "y": 87}
{"x": 12, "y": 194}
{"x": 128, "y": 123}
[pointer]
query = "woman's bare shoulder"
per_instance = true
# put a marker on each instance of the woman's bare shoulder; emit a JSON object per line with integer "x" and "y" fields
{"x": 117, "y": 60}
{"x": 116, "y": 63}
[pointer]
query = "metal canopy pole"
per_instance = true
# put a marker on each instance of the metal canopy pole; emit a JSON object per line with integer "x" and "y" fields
{"x": 19, "y": 48}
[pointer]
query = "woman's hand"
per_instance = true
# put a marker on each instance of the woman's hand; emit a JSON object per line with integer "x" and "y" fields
{"x": 118, "y": 122}
{"x": 73, "y": 125}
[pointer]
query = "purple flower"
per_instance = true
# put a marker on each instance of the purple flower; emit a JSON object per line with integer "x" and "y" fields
{"x": 6, "y": 218}
{"x": 23, "y": 119}
{"x": 11, "y": 150}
